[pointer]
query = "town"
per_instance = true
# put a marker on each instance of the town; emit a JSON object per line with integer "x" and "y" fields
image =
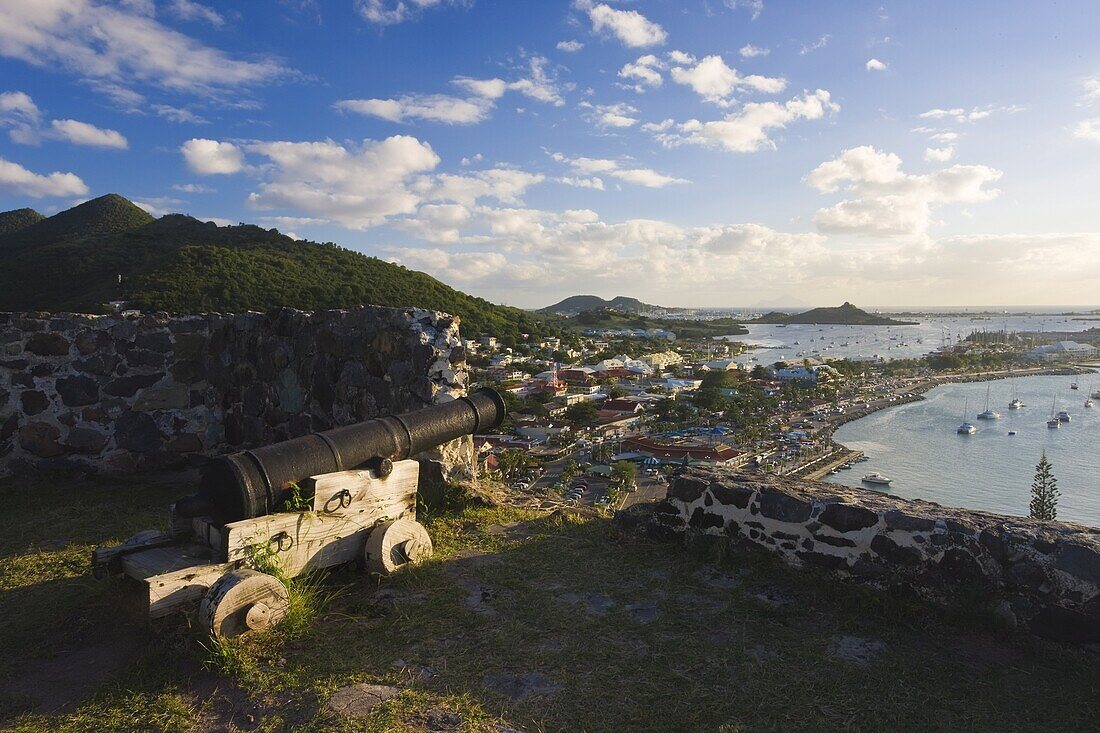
{"x": 601, "y": 417}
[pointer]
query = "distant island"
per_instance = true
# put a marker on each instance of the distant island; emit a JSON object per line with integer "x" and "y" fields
{"x": 844, "y": 315}
{"x": 576, "y": 304}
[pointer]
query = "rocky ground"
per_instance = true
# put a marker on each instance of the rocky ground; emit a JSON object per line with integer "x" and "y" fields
{"x": 522, "y": 621}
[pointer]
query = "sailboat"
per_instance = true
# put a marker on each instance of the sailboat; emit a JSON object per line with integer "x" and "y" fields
{"x": 966, "y": 428}
{"x": 988, "y": 414}
{"x": 1088, "y": 400}
{"x": 1054, "y": 423}
{"x": 1016, "y": 404}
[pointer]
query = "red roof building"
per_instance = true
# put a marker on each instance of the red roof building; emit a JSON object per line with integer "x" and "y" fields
{"x": 679, "y": 451}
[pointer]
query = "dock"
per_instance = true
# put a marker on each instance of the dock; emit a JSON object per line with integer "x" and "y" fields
{"x": 820, "y": 467}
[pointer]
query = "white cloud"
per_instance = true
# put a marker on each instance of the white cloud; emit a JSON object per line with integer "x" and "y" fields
{"x": 681, "y": 58}
{"x": 539, "y": 84}
{"x": 747, "y": 130}
{"x": 357, "y": 187}
{"x": 486, "y": 88}
{"x": 974, "y": 114}
{"x": 179, "y": 114}
{"x": 192, "y": 188}
{"x": 611, "y": 115}
{"x": 753, "y": 6}
{"x": 82, "y": 133}
{"x": 17, "y": 179}
{"x": 19, "y": 112}
{"x": 431, "y": 107}
{"x": 749, "y": 51}
{"x": 114, "y": 44}
{"x": 646, "y": 70}
{"x": 503, "y": 184}
{"x": 815, "y": 46}
{"x": 190, "y": 10}
{"x": 939, "y": 155}
{"x": 388, "y": 12}
{"x": 1088, "y": 130}
{"x": 715, "y": 82}
{"x": 210, "y": 157}
{"x": 646, "y": 177}
{"x": 632, "y": 28}
{"x": 1091, "y": 89}
{"x": 595, "y": 182}
{"x": 569, "y": 46}
{"x": 876, "y": 65}
{"x": 888, "y": 202}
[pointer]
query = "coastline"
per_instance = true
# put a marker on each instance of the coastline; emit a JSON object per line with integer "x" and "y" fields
{"x": 919, "y": 389}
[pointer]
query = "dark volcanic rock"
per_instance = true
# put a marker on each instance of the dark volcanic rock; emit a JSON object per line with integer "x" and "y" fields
{"x": 78, "y": 391}
{"x": 848, "y": 517}
{"x": 779, "y": 506}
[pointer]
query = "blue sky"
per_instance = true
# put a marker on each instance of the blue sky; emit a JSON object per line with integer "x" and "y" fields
{"x": 717, "y": 152}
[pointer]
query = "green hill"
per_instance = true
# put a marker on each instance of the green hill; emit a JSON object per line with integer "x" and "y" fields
{"x": 580, "y": 303}
{"x": 108, "y": 249}
{"x": 14, "y": 221}
{"x": 844, "y": 315}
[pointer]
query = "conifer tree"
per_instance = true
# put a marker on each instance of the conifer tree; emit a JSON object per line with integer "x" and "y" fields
{"x": 1044, "y": 491}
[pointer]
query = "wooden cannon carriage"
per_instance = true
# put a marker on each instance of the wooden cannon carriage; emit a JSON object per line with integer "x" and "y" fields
{"x": 279, "y": 509}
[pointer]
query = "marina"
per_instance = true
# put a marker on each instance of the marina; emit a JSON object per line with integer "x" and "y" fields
{"x": 990, "y": 467}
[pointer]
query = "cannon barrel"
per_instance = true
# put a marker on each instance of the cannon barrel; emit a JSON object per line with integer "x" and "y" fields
{"x": 257, "y": 482}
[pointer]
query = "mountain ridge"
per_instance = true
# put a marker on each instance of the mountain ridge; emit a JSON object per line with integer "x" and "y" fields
{"x": 104, "y": 250}
{"x": 576, "y": 304}
{"x": 844, "y": 315}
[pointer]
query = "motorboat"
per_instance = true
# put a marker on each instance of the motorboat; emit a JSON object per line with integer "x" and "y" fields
{"x": 1088, "y": 402}
{"x": 1063, "y": 416}
{"x": 1016, "y": 404}
{"x": 1011, "y": 432}
{"x": 876, "y": 478}
{"x": 1074, "y": 386}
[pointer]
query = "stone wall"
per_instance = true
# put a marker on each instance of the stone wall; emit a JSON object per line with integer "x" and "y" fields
{"x": 1042, "y": 576}
{"x": 130, "y": 392}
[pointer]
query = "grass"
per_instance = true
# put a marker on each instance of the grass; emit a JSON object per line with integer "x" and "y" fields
{"x": 495, "y": 601}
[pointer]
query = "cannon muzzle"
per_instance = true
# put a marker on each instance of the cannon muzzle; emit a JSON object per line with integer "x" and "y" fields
{"x": 256, "y": 482}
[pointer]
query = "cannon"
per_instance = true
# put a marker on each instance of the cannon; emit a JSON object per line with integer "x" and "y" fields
{"x": 302, "y": 505}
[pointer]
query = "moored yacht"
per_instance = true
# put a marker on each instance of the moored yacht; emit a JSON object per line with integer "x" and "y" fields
{"x": 1054, "y": 423}
{"x": 1016, "y": 404}
{"x": 1063, "y": 416}
{"x": 988, "y": 414}
{"x": 876, "y": 478}
{"x": 966, "y": 428}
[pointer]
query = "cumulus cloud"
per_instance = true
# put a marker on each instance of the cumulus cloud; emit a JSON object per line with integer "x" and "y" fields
{"x": 610, "y": 115}
{"x": 1091, "y": 89}
{"x": 749, "y": 51}
{"x": 888, "y": 202}
{"x": 748, "y": 129}
{"x": 19, "y": 113}
{"x": 1088, "y": 130}
{"x": 83, "y": 133}
{"x": 120, "y": 46}
{"x": 211, "y": 157}
{"x": 16, "y": 179}
{"x": 714, "y": 81}
{"x": 569, "y": 46}
{"x": 387, "y": 12}
{"x": 645, "y": 73}
{"x": 875, "y": 65}
{"x": 356, "y": 186}
{"x": 538, "y": 84}
{"x": 939, "y": 155}
{"x": 646, "y": 177}
{"x": 431, "y": 107}
{"x": 632, "y": 28}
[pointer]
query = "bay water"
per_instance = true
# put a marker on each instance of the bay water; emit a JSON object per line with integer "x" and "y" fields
{"x": 917, "y": 446}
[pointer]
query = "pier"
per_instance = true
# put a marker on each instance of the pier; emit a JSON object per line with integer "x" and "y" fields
{"x": 820, "y": 467}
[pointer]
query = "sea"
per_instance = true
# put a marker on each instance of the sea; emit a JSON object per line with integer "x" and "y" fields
{"x": 771, "y": 343}
{"x": 916, "y": 445}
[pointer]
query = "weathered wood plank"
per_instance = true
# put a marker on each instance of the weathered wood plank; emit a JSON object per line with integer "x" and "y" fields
{"x": 311, "y": 541}
{"x": 361, "y": 485}
{"x": 174, "y": 576}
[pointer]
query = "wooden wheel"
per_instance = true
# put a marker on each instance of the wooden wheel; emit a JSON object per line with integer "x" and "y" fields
{"x": 243, "y": 600}
{"x": 395, "y": 544}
